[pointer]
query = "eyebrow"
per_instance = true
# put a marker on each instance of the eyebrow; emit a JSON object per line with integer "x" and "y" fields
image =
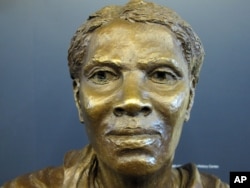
{"x": 161, "y": 62}
{"x": 96, "y": 62}
{"x": 144, "y": 65}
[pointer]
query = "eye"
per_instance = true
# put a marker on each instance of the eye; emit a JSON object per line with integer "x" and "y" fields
{"x": 102, "y": 77}
{"x": 163, "y": 77}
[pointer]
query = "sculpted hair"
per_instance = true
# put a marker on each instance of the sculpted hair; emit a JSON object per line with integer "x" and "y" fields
{"x": 137, "y": 11}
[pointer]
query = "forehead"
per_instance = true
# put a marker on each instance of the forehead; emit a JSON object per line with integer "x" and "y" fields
{"x": 121, "y": 40}
{"x": 124, "y": 31}
{"x": 130, "y": 28}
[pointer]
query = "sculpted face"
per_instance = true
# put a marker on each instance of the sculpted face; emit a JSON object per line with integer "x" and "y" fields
{"x": 134, "y": 94}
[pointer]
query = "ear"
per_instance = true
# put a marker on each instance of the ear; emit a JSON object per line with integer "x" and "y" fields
{"x": 76, "y": 88}
{"x": 191, "y": 99}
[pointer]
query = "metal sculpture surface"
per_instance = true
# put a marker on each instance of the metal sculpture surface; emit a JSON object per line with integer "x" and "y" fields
{"x": 134, "y": 71}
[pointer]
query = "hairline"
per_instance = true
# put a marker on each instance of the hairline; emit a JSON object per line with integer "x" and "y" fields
{"x": 180, "y": 29}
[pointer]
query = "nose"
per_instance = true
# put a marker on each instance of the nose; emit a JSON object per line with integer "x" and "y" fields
{"x": 133, "y": 100}
{"x": 132, "y": 108}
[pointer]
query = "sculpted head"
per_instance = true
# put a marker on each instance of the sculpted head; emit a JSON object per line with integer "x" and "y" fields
{"x": 134, "y": 69}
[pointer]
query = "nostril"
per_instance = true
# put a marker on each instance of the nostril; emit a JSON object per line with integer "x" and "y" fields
{"x": 119, "y": 111}
{"x": 146, "y": 110}
{"x": 132, "y": 110}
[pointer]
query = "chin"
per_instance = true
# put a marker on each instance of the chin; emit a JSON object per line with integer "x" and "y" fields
{"x": 136, "y": 165}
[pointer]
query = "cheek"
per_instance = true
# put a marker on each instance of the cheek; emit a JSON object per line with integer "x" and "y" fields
{"x": 97, "y": 100}
{"x": 174, "y": 111}
{"x": 95, "y": 107}
{"x": 172, "y": 107}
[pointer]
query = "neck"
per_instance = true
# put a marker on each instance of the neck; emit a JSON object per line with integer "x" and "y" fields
{"x": 164, "y": 177}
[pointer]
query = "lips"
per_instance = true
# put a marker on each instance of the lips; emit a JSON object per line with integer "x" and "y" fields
{"x": 132, "y": 132}
{"x": 133, "y": 138}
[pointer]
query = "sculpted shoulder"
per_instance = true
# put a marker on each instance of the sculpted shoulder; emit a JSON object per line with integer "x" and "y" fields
{"x": 212, "y": 181}
{"x": 48, "y": 177}
{"x": 76, "y": 167}
{"x": 191, "y": 177}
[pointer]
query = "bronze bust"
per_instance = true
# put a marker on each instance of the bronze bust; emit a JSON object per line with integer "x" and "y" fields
{"x": 134, "y": 71}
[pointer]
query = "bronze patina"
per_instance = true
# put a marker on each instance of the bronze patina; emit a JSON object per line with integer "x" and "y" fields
{"x": 134, "y": 71}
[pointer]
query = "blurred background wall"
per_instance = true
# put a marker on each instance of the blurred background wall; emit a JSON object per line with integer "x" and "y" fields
{"x": 38, "y": 118}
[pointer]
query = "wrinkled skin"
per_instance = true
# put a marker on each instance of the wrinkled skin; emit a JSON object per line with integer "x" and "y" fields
{"x": 134, "y": 95}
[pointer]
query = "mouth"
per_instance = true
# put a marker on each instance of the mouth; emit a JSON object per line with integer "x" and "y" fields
{"x": 132, "y": 132}
{"x": 136, "y": 138}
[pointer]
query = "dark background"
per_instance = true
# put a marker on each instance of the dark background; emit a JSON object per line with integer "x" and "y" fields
{"x": 38, "y": 118}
